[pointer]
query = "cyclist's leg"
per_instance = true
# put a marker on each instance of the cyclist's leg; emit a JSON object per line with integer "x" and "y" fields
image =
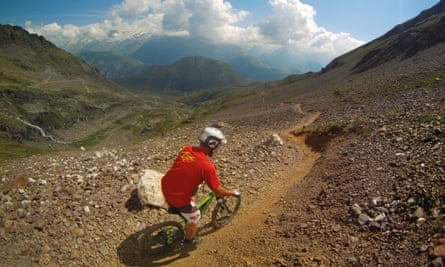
{"x": 192, "y": 215}
{"x": 190, "y": 231}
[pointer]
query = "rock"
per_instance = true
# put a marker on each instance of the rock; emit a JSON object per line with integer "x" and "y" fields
{"x": 352, "y": 260}
{"x": 376, "y": 201}
{"x": 437, "y": 262}
{"x": 357, "y": 210}
{"x": 374, "y": 226}
{"x": 381, "y": 217}
{"x": 149, "y": 189}
{"x": 438, "y": 250}
{"x": 363, "y": 219}
{"x": 39, "y": 224}
{"x": 21, "y": 213}
{"x": 419, "y": 212}
{"x": 273, "y": 140}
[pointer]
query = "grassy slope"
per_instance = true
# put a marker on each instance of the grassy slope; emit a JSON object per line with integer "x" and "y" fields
{"x": 68, "y": 99}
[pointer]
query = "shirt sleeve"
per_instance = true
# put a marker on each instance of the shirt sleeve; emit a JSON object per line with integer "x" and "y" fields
{"x": 210, "y": 177}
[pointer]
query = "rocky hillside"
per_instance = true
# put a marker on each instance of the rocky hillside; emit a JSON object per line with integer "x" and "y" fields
{"x": 80, "y": 208}
{"x": 376, "y": 195}
{"x": 413, "y": 36}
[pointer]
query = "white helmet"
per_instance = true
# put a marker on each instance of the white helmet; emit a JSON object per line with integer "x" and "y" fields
{"x": 212, "y": 137}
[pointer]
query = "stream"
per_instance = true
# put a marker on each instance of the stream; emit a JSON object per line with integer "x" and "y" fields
{"x": 42, "y": 132}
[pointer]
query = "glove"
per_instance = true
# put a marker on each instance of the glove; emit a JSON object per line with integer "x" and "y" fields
{"x": 236, "y": 193}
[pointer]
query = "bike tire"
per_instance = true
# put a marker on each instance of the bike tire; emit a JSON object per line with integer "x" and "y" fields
{"x": 225, "y": 210}
{"x": 161, "y": 238}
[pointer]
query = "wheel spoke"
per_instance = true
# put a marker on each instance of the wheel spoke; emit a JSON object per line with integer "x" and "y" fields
{"x": 161, "y": 238}
{"x": 225, "y": 210}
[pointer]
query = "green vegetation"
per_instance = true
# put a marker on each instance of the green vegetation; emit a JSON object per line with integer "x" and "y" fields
{"x": 320, "y": 135}
{"x": 207, "y": 102}
{"x": 327, "y": 129}
{"x": 432, "y": 79}
{"x": 427, "y": 117}
{"x": 293, "y": 78}
{"x": 157, "y": 121}
{"x": 406, "y": 83}
{"x": 371, "y": 88}
{"x": 91, "y": 140}
{"x": 112, "y": 65}
{"x": 14, "y": 150}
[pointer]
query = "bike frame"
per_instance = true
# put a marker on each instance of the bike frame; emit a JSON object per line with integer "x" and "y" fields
{"x": 166, "y": 234}
{"x": 203, "y": 205}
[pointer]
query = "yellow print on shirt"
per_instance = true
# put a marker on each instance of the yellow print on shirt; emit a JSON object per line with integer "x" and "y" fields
{"x": 187, "y": 157}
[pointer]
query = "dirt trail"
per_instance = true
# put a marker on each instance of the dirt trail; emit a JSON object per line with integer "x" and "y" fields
{"x": 248, "y": 240}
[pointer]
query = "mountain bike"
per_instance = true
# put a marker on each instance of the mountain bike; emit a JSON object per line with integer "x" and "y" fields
{"x": 168, "y": 236}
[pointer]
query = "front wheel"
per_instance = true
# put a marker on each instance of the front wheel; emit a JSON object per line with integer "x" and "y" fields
{"x": 225, "y": 210}
{"x": 161, "y": 238}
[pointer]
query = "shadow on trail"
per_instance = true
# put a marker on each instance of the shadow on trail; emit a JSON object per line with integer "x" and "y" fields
{"x": 131, "y": 253}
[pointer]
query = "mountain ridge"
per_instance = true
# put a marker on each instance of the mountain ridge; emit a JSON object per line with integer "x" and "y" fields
{"x": 186, "y": 75}
{"x": 167, "y": 50}
{"x": 403, "y": 40}
{"x": 112, "y": 65}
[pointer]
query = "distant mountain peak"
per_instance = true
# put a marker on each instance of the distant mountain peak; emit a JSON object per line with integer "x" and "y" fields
{"x": 186, "y": 75}
{"x": 15, "y": 35}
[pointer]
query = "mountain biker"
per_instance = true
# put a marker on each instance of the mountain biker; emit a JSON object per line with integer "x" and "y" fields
{"x": 192, "y": 167}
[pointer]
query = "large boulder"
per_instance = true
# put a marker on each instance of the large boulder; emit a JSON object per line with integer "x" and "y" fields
{"x": 149, "y": 189}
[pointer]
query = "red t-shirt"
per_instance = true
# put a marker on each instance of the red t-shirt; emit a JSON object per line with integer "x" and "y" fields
{"x": 190, "y": 169}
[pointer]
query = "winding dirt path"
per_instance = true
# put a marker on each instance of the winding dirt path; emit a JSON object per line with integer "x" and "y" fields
{"x": 249, "y": 240}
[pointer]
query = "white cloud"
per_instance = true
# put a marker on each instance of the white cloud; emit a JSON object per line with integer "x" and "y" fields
{"x": 214, "y": 20}
{"x": 291, "y": 29}
{"x": 133, "y": 8}
{"x": 55, "y": 32}
{"x": 291, "y": 20}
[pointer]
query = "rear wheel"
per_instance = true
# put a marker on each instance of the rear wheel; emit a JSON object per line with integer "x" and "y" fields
{"x": 225, "y": 210}
{"x": 161, "y": 238}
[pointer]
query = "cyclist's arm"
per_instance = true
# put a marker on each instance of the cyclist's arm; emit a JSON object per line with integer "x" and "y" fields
{"x": 221, "y": 191}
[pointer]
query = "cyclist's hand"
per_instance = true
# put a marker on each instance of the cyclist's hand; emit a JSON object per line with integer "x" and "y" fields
{"x": 236, "y": 193}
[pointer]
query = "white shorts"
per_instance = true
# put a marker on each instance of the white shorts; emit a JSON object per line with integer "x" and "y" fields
{"x": 190, "y": 213}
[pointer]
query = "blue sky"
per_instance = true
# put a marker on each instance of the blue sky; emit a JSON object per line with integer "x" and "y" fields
{"x": 364, "y": 19}
{"x": 324, "y": 28}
